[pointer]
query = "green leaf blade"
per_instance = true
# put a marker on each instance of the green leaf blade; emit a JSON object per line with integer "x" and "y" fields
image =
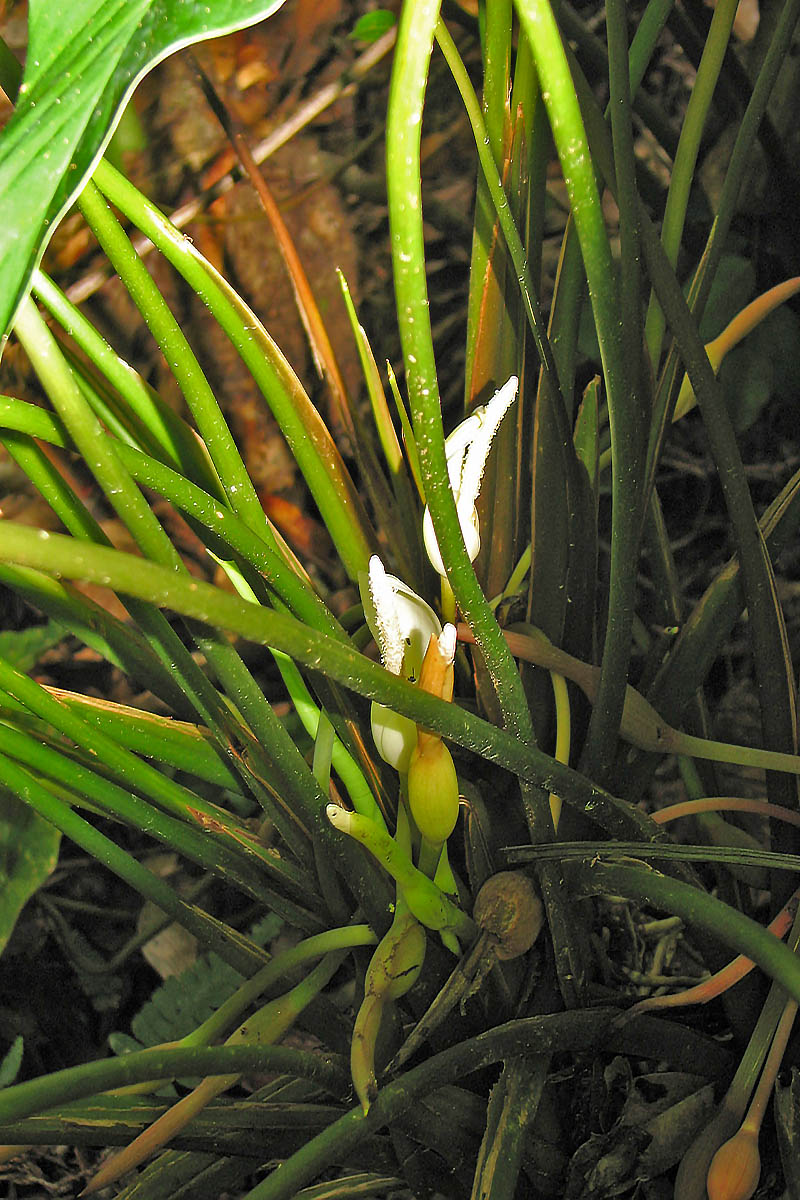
{"x": 85, "y": 57}
{"x": 28, "y": 855}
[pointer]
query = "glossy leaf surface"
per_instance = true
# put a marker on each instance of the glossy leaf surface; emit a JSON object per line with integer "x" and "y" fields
{"x": 85, "y": 57}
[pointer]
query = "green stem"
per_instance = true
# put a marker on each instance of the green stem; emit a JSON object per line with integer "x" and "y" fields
{"x": 551, "y": 1034}
{"x": 36, "y": 1095}
{"x": 741, "y": 156}
{"x": 129, "y": 770}
{"x": 220, "y": 1021}
{"x": 308, "y": 439}
{"x": 342, "y": 760}
{"x": 726, "y": 924}
{"x": 428, "y": 904}
{"x": 767, "y": 629}
{"x": 175, "y": 348}
{"x": 61, "y": 555}
{"x": 627, "y": 192}
{"x": 88, "y": 436}
{"x": 666, "y": 852}
{"x": 705, "y": 630}
{"x": 404, "y": 119}
{"x": 156, "y": 425}
{"x": 226, "y": 855}
{"x": 739, "y": 165}
{"x": 238, "y": 952}
{"x": 178, "y": 744}
{"x": 686, "y": 157}
{"x": 317, "y": 724}
{"x": 263, "y": 1027}
{"x": 130, "y": 505}
{"x": 488, "y": 162}
{"x": 566, "y": 122}
{"x": 196, "y": 503}
{"x": 115, "y": 641}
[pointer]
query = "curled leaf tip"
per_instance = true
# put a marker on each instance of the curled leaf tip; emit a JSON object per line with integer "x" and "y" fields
{"x": 339, "y": 817}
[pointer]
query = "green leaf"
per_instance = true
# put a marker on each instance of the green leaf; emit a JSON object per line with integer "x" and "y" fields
{"x": 733, "y": 286}
{"x": 12, "y": 1061}
{"x": 373, "y": 25}
{"x": 24, "y": 647}
{"x": 787, "y": 1124}
{"x": 85, "y": 57}
{"x": 28, "y": 854}
{"x": 763, "y": 368}
{"x": 182, "y": 1002}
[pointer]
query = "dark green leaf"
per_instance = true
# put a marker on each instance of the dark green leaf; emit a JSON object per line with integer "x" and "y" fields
{"x": 12, "y": 1061}
{"x": 28, "y": 854}
{"x": 762, "y": 368}
{"x": 787, "y": 1123}
{"x": 733, "y": 286}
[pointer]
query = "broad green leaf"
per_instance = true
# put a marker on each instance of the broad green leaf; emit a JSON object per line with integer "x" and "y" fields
{"x": 763, "y": 369}
{"x": 85, "y": 57}
{"x": 734, "y": 284}
{"x": 28, "y": 854}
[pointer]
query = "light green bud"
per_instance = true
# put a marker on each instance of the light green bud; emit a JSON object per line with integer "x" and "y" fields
{"x": 433, "y": 789}
{"x": 395, "y": 736}
{"x": 397, "y": 960}
{"x": 395, "y": 967}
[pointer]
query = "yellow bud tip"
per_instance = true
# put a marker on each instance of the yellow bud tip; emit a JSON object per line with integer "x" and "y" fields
{"x": 436, "y": 674}
{"x": 736, "y": 1168}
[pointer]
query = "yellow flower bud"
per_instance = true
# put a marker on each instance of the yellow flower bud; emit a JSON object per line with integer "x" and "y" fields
{"x": 736, "y": 1167}
{"x": 433, "y": 789}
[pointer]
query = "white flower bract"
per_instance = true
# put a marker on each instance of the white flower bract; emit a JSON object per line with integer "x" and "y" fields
{"x": 402, "y": 624}
{"x": 467, "y": 449}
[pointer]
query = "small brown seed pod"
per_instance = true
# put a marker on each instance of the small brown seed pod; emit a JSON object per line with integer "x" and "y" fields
{"x": 508, "y": 908}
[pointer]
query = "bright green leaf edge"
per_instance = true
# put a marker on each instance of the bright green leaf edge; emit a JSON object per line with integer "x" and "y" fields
{"x": 59, "y": 555}
{"x": 85, "y": 58}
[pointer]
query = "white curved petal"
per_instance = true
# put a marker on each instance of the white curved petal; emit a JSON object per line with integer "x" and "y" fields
{"x": 478, "y": 450}
{"x": 467, "y": 449}
{"x": 401, "y": 622}
{"x": 470, "y": 531}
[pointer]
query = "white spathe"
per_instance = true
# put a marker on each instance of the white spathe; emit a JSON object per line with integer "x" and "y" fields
{"x": 467, "y": 449}
{"x": 402, "y": 624}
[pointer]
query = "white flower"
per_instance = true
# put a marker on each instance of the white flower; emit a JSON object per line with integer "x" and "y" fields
{"x": 402, "y": 624}
{"x": 467, "y": 449}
